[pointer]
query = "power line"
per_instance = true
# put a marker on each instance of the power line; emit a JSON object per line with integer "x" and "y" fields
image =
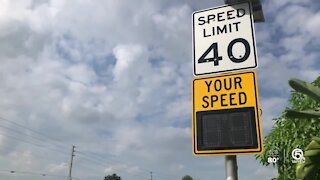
{"x": 22, "y": 140}
{"x": 35, "y": 174}
{"x": 44, "y": 139}
{"x": 34, "y": 131}
{"x": 32, "y": 143}
{"x": 89, "y": 157}
{"x": 143, "y": 171}
{"x": 35, "y": 144}
{"x": 104, "y": 165}
{"x": 99, "y": 158}
{"x": 19, "y": 132}
{"x": 31, "y": 173}
{"x": 42, "y": 142}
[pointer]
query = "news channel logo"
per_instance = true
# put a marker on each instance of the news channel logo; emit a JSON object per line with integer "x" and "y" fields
{"x": 273, "y": 156}
{"x": 297, "y": 155}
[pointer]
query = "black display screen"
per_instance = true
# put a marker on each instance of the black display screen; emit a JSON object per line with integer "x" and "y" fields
{"x": 227, "y": 129}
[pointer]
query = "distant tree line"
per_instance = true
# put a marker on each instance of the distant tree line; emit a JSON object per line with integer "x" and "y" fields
{"x": 116, "y": 177}
{"x": 112, "y": 177}
{"x": 187, "y": 177}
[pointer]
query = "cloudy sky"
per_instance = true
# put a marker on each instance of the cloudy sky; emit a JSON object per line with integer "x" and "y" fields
{"x": 113, "y": 78}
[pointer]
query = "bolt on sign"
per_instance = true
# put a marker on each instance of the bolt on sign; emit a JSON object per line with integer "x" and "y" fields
{"x": 223, "y": 39}
{"x": 225, "y": 117}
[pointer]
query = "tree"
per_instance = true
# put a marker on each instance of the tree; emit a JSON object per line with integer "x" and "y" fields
{"x": 308, "y": 170}
{"x": 112, "y": 177}
{"x": 187, "y": 177}
{"x": 295, "y": 128}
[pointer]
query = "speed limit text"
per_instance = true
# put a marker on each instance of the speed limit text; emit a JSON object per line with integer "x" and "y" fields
{"x": 220, "y": 17}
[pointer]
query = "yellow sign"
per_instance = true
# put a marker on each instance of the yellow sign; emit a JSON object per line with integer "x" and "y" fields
{"x": 226, "y": 115}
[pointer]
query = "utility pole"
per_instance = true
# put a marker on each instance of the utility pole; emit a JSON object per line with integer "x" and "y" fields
{"x": 71, "y": 161}
{"x": 151, "y": 175}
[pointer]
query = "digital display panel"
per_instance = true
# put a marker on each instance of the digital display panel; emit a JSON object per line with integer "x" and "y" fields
{"x": 227, "y": 129}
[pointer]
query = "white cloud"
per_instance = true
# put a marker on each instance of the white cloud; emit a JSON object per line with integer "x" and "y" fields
{"x": 113, "y": 77}
{"x": 313, "y": 24}
{"x": 81, "y": 73}
{"x": 286, "y": 46}
{"x": 271, "y": 109}
{"x": 22, "y": 159}
{"x": 132, "y": 63}
{"x": 57, "y": 168}
{"x": 122, "y": 168}
{"x": 1, "y": 140}
{"x": 290, "y": 25}
{"x": 266, "y": 173}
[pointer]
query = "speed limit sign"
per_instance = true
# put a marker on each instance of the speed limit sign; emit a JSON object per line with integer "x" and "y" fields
{"x": 223, "y": 39}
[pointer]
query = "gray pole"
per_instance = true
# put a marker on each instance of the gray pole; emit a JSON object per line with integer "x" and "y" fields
{"x": 231, "y": 167}
{"x": 71, "y": 161}
{"x": 231, "y": 160}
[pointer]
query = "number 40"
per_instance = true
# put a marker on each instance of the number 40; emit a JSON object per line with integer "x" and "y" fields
{"x": 216, "y": 58}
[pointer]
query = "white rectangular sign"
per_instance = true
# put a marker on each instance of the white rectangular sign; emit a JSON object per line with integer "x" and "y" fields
{"x": 223, "y": 39}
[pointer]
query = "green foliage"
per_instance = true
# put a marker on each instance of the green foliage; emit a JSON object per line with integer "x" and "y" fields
{"x": 303, "y": 114}
{"x": 309, "y": 169}
{"x": 187, "y": 177}
{"x": 290, "y": 132}
{"x": 112, "y": 177}
{"x": 305, "y": 88}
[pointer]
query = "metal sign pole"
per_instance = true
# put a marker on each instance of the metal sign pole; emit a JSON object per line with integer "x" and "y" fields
{"x": 231, "y": 167}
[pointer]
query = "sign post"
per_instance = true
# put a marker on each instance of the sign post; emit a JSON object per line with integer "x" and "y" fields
{"x": 231, "y": 167}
